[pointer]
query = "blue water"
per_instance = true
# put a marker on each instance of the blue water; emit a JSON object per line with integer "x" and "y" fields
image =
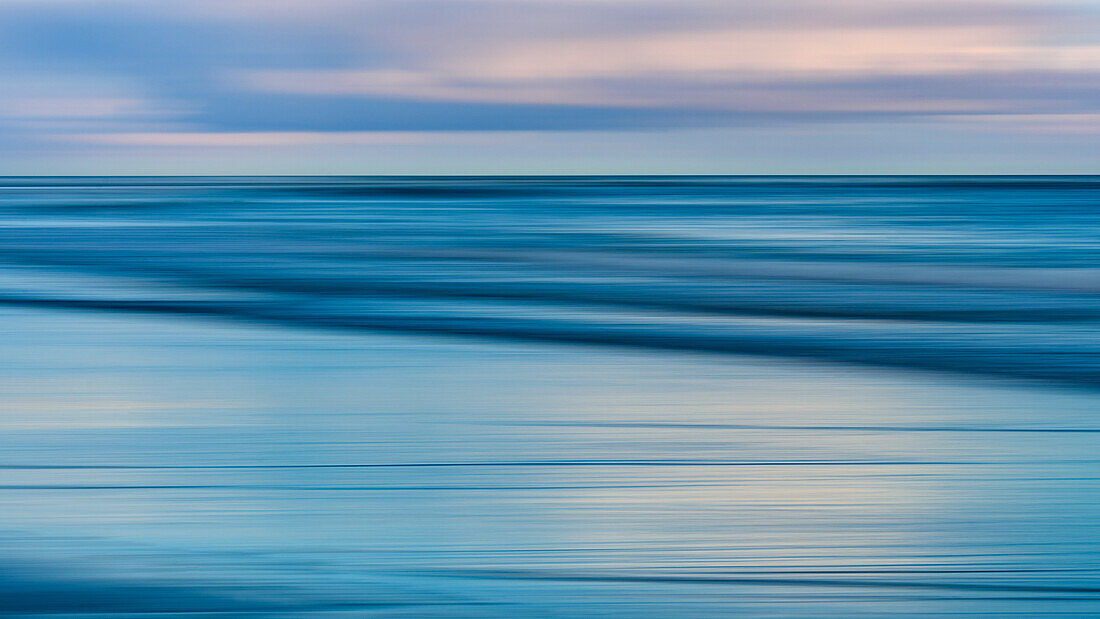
{"x": 550, "y": 397}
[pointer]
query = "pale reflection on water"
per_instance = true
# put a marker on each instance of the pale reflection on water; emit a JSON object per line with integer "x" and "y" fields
{"x": 156, "y": 466}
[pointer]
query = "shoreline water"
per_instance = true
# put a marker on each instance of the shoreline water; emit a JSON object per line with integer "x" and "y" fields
{"x": 396, "y": 475}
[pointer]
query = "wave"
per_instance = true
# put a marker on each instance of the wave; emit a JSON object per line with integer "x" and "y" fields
{"x": 1024, "y": 351}
{"x": 979, "y": 275}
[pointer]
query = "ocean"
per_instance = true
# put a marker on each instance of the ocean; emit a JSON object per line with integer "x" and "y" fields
{"x": 550, "y": 396}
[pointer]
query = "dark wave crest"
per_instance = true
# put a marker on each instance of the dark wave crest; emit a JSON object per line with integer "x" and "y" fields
{"x": 985, "y": 275}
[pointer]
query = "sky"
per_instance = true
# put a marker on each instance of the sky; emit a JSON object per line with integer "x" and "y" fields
{"x": 549, "y": 86}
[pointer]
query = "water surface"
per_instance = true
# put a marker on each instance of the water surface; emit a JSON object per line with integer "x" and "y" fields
{"x": 550, "y": 397}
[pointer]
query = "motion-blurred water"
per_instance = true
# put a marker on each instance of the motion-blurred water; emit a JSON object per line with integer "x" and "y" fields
{"x": 667, "y": 397}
